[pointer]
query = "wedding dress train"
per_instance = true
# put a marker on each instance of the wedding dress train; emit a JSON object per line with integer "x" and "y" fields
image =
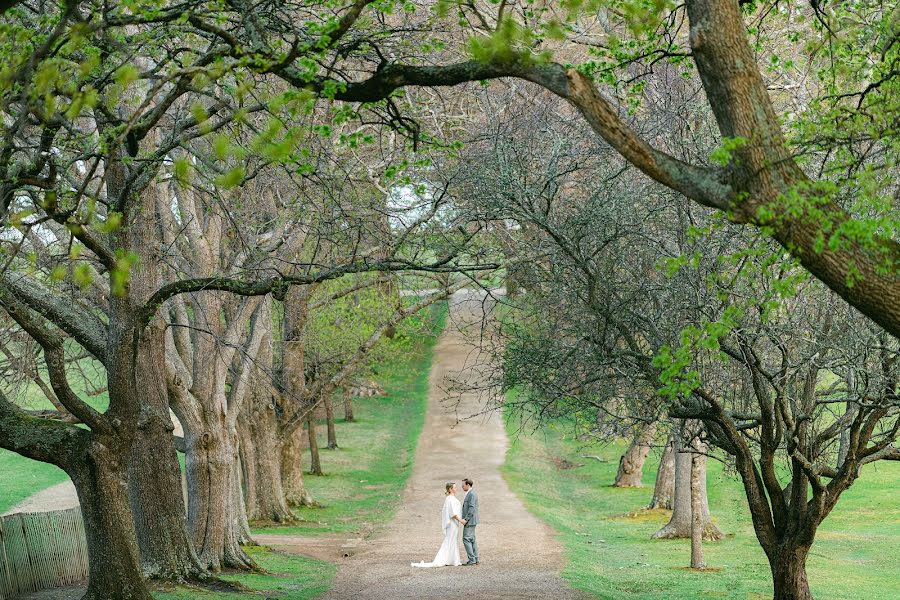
{"x": 448, "y": 554}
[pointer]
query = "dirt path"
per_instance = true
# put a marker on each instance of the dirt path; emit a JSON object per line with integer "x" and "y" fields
{"x": 521, "y": 558}
{"x": 56, "y": 497}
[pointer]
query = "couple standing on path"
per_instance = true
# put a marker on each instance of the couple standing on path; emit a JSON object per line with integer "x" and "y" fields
{"x": 453, "y": 515}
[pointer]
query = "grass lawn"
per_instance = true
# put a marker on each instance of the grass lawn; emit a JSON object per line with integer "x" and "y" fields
{"x": 611, "y": 555}
{"x": 21, "y": 477}
{"x": 365, "y": 476}
{"x": 286, "y": 577}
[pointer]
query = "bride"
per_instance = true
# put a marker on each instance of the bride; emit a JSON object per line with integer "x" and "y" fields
{"x": 448, "y": 555}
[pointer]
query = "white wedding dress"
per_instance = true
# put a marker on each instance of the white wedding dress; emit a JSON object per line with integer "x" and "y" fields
{"x": 448, "y": 555}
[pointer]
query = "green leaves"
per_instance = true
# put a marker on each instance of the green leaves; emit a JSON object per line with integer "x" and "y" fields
{"x": 231, "y": 179}
{"x": 120, "y": 275}
{"x": 723, "y": 154}
{"x": 509, "y": 43}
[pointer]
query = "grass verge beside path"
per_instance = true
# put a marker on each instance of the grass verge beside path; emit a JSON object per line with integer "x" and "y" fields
{"x": 610, "y": 554}
{"x": 21, "y": 477}
{"x": 365, "y": 476}
{"x": 286, "y": 577}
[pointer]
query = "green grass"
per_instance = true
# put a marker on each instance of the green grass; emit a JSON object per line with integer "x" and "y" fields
{"x": 21, "y": 477}
{"x": 611, "y": 555}
{"x": 286, "y": 577}
{"x": 366, "y": 474}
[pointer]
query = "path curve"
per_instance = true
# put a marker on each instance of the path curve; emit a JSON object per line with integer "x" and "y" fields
{"x": 521, "y": 558}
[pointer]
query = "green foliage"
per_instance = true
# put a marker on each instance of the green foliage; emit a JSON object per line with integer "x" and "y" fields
{"x": 120, "y": 275}
{"x": 508, "y": 43}
{"x": 722, "y": 155}
{"x": 335, "y": 331}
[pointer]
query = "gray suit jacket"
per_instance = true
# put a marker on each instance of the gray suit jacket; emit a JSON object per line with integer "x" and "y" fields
{"x": 470, "y": 508}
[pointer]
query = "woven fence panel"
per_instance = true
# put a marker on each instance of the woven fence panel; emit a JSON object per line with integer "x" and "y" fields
{"x": 40, "y": 551}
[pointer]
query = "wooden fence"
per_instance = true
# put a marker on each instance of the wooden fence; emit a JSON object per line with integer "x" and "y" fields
{"x": 40, "y": 551}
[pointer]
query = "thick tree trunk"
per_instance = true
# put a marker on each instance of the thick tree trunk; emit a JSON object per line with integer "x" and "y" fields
{"x": 101, "y": 483}
{"x": 664, "y": 490}
{"x": 315, "y": 462}
{"x": 631, "y": 464}
{"x": 329, "y": 420}
{"x": 789, "y": 574}
{"x": 213, "y": 517}
{"x": 680, "y": 524}
{"x": 697, "y": 474}
{"x": 154, "y": 483}
{"x": 241, "y": 522}
{"x": 261, "y": 453}
{"x": 348, "y": 405}
{"x": 295, "y": 491}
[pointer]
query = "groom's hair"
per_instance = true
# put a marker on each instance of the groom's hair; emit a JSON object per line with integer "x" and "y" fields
{"x": 468, "y": 482}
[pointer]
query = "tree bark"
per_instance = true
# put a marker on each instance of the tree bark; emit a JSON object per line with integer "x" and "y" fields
{"x": 664, "y": 490}
{"x": 631, "y": 464}
{"x": 348, "y": 405}
{"x": 680, "y": 524}
{"x": 788, "y": 566}
{"x": 315, "y": 462}
{"x": 261, "y": 451}
{"x": 295, "y": 491}
{"x": 101, "y": 482}
{"x": 329, "y": 420}
{"x": 154, "y": 482}
{"x": 697, "y": 475}
{"x": 213, "y": 516}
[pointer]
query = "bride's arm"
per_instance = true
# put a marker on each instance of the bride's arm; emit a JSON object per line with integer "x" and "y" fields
{"x": 457, "y": 516}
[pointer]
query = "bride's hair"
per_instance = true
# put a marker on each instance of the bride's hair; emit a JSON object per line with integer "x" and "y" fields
{"x": 449, "y": 486}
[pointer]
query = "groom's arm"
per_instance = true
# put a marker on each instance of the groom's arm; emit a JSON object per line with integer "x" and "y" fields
{"x": 467, "y": 507}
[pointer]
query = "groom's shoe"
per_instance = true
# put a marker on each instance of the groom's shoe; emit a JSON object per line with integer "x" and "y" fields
{"x": 469, "y": 564}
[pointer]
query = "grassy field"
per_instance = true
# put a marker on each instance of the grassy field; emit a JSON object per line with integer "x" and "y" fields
{"x": 284, "y": 577}
{"x": 365, "y": 475}
{"x": 610, "y": 553}
{"x": 20, "y": 477}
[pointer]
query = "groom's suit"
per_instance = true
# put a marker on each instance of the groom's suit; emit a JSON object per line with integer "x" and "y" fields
{"x": 470, "y": 514}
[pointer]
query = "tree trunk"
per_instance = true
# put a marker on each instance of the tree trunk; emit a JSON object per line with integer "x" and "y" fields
{"x": 154, "y": 484}
{"x": 261, "y": 454}
{"x": 631, "y": 464}
{"x": 154, "y": 480}
{"x": 348, "y": 405}
{"x": 101, "y": 483}
{"x": 265, "y": 498}
{"x": 295, "y": 491}
{"x": 789, "y": 574}
{"x": 241, "y": 523}
{"x": 329, "y": 419}
{"x": 664, "y": 490}
{"x": 315, "y": 463}
{"x": 213, "y": 517}
{"x": 680, "y": 524}
{"x": 696, "y": 514}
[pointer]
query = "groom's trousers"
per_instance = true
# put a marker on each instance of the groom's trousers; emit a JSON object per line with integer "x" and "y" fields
{"x": 469, "y": 543}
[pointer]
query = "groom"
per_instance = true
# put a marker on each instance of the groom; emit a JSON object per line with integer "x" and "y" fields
{"x": 470, "y": 520}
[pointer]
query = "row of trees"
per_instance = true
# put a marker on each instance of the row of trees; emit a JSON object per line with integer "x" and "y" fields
{"x": 173, "y": 175}
{"x": 188, "y": 237}
{"x": 634, "y": 314}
